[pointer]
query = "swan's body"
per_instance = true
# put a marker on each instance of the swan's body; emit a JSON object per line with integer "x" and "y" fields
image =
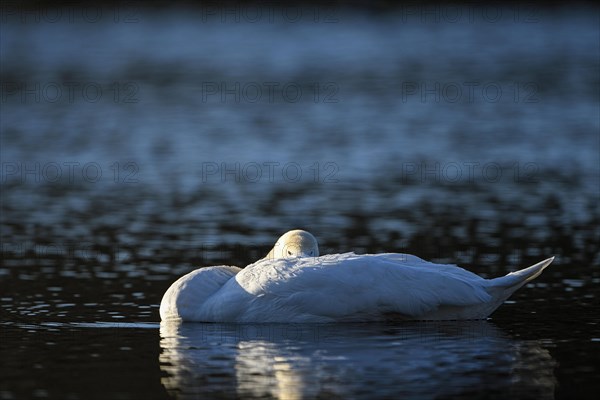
{"x": 339, "y": 287}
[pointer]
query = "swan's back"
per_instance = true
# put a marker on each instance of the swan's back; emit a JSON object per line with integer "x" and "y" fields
{"x": 346, "y": 287}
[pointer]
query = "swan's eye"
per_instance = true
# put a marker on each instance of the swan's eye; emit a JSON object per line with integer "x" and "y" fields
{"x": 289, "y": 253}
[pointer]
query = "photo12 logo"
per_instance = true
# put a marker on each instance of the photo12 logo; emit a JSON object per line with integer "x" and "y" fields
{"x": 68, "y": 172}
{"x": 69, "y": 92}
{"x": 269, "y": 171}
{"x": 37, "y": 12}
{"x": 468, "y": 172}
{"x": 269, "y": 332}
{"x": 469, "y": 92}
{"x": 73, "y": 251}
{"x": 269, "y": 92}
{"x": 466, "y": 13}
{"x": 268, "y": 12}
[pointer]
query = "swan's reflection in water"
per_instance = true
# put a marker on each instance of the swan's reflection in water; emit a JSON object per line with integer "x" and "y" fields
{"x": 416, "y": 360}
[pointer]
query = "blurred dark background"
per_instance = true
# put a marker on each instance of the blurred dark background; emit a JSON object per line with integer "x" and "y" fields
{"x": 139, "y": 142}
{"x": 454, "y": 131}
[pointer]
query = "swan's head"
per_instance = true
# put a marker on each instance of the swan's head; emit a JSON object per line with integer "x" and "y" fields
{"x": 296, "y": 243}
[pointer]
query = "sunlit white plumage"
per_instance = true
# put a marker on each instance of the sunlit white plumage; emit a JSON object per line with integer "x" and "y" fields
{"x": 337, "y": 287}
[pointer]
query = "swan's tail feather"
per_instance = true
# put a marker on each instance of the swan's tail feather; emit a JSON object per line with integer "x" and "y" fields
{"x": 502, "y": 288}
{"x": 519, "y": 278}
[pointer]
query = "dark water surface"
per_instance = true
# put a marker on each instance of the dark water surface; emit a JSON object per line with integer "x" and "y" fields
{"x": 140, "y": 144}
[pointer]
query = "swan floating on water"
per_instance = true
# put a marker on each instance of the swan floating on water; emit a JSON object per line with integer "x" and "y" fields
{"x": 294, "y": 284}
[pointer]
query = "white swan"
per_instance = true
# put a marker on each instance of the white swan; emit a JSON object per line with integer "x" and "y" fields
{"x": 293, "y": 284}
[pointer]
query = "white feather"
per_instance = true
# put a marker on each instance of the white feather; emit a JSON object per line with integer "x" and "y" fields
{"x": 189, "y": 292}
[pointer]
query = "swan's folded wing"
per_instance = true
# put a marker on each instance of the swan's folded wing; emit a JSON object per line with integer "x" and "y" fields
{"x": 413, "y": 261}
{"x": 338, "y": 286}
{"x": 426, "y": 289}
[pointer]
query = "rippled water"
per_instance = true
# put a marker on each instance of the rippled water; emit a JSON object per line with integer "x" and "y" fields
{"x": 355, "y": 361}
{"x": 145, "y": 143}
